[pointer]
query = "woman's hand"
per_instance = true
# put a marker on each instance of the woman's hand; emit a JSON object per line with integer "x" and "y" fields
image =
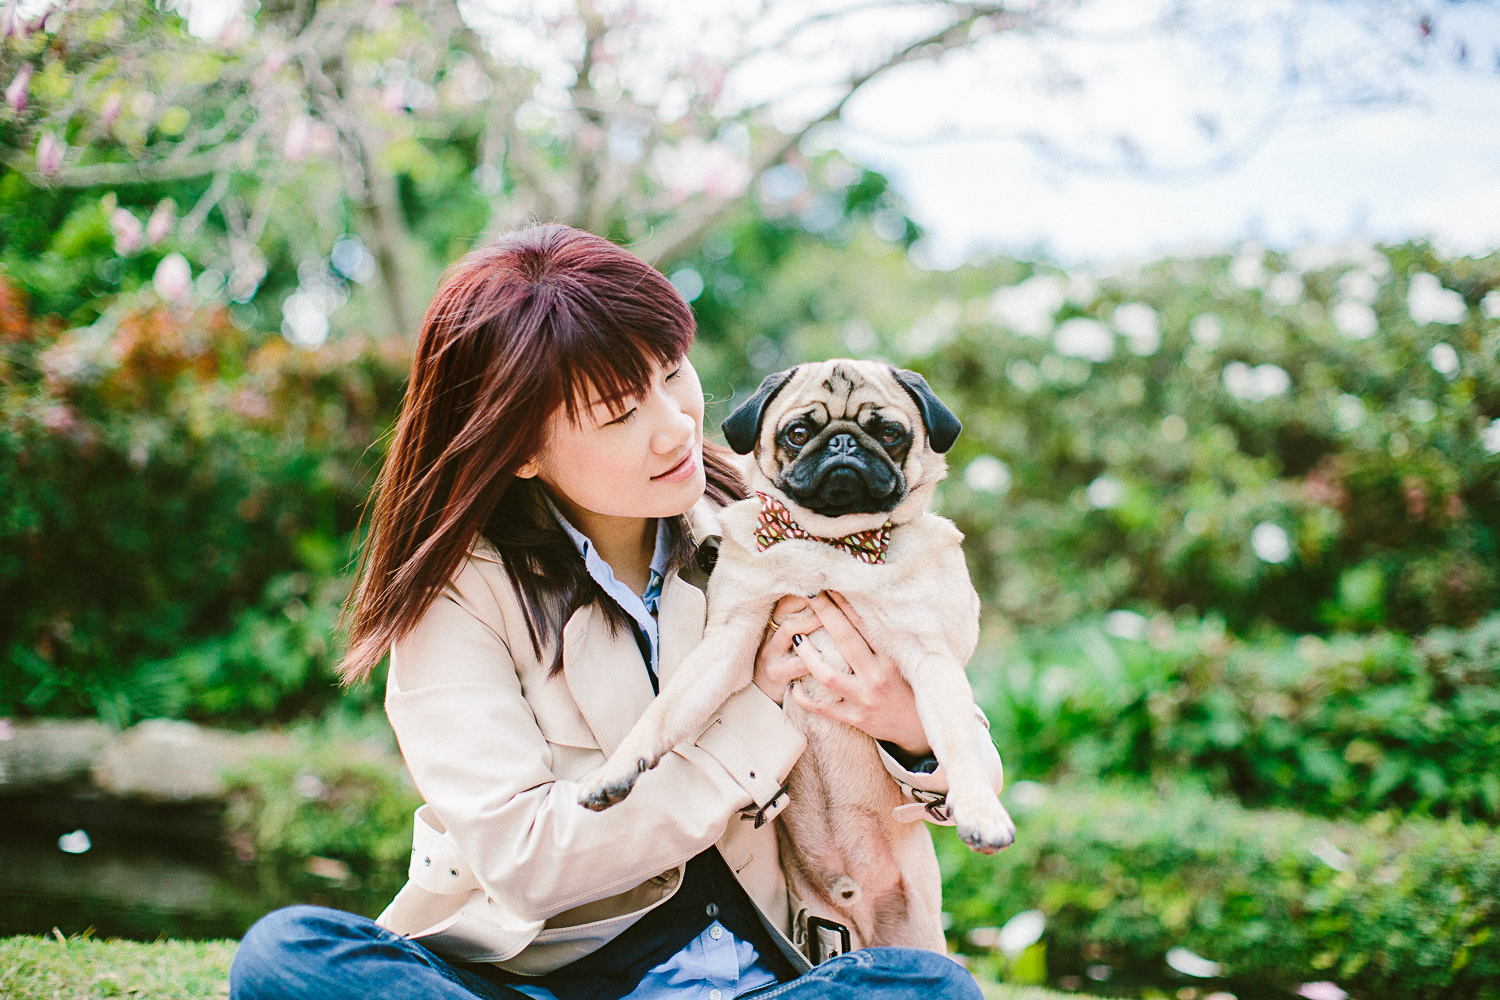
{"x": 875, "y": 698}
{"x": 776, "y": 664}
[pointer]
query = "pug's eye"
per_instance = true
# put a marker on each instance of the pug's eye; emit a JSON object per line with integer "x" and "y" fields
{"x": 891, "y": 435}
{"x": 796, "y": 435}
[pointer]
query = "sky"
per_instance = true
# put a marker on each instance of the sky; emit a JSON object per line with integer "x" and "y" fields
{"x": 1425, "y": 166}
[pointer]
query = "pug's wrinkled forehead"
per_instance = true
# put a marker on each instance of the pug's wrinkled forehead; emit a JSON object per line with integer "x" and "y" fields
{"x": 844, "y": 393}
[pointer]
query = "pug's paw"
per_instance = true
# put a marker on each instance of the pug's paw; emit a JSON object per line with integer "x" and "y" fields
{"x": 982, "y": 822}
{"x": 609, "y": 790}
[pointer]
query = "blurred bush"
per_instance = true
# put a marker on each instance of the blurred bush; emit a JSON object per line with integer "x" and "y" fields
{"x": 179, "y": 503}
{"x": 1348, "y": 725}
{"x": 1305, "y": 443}
{"x": 1123, "y": 874}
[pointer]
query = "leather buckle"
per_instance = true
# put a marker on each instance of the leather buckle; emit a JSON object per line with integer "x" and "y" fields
{"x": 768, "y": 812}
{"x": 817, "y": 951}
{"x": 935, "y": 804}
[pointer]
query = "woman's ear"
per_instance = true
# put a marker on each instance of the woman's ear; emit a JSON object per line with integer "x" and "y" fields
{"x": 529, "y": 469}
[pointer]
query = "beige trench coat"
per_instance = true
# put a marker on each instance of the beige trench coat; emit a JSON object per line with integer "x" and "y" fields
{"x": 506, "y": 866}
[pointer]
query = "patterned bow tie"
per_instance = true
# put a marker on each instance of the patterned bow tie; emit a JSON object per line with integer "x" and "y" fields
{"x": 775, "y": 524}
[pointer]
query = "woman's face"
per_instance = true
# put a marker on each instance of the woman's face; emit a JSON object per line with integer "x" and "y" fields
{"x": 641, "y": 457}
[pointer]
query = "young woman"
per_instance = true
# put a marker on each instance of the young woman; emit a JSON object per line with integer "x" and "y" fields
{"x": 542, "y": 531}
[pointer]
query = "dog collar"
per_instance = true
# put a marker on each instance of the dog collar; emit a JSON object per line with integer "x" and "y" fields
{"x": 775, "y": 524}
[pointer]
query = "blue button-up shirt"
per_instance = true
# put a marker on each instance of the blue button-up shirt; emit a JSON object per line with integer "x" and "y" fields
{"x": 715, "y": 965}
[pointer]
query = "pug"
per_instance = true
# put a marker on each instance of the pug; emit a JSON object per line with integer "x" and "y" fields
{"x": 845, "y": 457}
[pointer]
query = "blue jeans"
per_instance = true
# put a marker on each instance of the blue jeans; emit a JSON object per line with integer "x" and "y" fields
{"x": 314, "y": 953}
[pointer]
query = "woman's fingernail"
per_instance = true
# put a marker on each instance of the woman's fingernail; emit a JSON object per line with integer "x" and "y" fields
{"x": 796, "y": 640}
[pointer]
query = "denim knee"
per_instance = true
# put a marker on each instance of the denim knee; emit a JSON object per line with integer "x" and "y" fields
{"x": 268, "y": 952}
{"x": 939, "y": 974}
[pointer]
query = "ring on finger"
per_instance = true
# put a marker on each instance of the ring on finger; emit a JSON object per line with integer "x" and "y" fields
{"x": 771, "y": 621}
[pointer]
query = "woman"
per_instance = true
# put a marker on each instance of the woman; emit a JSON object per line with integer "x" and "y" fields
{"x": 535, "y": 566}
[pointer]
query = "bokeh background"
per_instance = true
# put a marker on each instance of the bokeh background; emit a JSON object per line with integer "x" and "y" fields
{"x": 1211, "y": 285}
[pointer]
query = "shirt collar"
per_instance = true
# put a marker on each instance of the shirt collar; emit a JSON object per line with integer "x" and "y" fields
{"x": 598, "y": 568}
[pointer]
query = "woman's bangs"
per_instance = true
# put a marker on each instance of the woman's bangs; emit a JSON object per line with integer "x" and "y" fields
{"x": 616, "y": 365}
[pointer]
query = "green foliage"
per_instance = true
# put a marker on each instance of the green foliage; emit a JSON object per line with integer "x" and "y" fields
{"x": 1350, "y": 725}
{"x": 180, "y": 501}
{"x": 1398, "y": 910}
{"x": 341, "y": 794}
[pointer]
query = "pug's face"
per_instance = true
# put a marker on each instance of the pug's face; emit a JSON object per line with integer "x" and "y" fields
{"x": 845, "y": 437}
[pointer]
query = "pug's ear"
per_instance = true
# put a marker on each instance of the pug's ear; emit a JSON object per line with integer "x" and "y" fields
{"x": 743, "y": 425}
{"x": 942, "y": 426}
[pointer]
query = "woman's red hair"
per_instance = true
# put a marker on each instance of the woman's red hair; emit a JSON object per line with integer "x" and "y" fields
{"x": 538, "y": 320}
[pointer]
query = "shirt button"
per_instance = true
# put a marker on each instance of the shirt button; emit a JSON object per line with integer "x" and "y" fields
{"x": 712, "y": 909}
{"x": 715, "y": 995}
{"x": 716, "y": 933}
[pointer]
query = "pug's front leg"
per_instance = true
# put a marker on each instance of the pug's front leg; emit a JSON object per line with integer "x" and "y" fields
{"x": 945, "y": 704}
{"x": 723, "y": 663}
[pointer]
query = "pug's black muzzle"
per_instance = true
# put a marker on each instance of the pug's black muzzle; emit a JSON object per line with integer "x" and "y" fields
{"x": 843, "y": 475}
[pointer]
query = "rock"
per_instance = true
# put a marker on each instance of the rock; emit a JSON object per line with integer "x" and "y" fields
{"x": 166, "y": 760}
{"x": 38, "y": 754}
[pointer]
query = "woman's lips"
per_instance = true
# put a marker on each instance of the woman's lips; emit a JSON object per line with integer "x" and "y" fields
{"x": 679, "y": 472}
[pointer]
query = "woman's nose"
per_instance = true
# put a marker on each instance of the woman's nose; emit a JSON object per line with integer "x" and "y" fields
{"x": 677, "y": 427}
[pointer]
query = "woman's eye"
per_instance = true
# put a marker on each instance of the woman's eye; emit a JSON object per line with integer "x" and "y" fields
{"x": 675, "y": 373}
{"x": 623, "y": 418}
{"x": 797, "y": 436}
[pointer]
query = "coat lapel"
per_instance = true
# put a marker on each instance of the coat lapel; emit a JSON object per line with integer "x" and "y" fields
{"x": 679, "y": 622}
{"x": 605, "y": 675}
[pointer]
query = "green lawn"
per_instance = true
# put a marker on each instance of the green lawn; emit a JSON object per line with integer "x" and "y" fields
{"x": 44, "y": 968}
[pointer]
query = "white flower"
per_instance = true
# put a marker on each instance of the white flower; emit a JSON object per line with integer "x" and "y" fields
{"x": 1270, "y": 542}
{"x": 1355, "y": 320}
{"x": 1360, "y": 286}
{"x": 1247, "y": 270}
{"x": 1489, "y": 306}
{"x": 1348, "y": 412}
{"x": 1140, "y": 327}
{"x": 1207, "y": 330}
{"x": 1126, "y": 625}
{"x": 1084, "y": 338}
{"x": 1022, "y": 931}
{"x": 1255, "y": 385}
{"x": 1284, "y": 289}
{"x": 1429, "y": 302}
{"x": 1027, "y": 309}
{"x": 1489, "y": 438}
{"x": 1105, "y": 493}
{"x": 1444, "y": 360}
{"x": 987, "y": 474}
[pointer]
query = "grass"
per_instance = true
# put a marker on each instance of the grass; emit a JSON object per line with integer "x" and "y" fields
{"x": 48, "y": 968}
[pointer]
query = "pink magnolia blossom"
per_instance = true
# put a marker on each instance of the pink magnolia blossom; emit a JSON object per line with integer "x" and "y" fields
{"x": 163, "y": 219}
{"x": 129, "y": 233}
{"x": 49, "y": 154}
{"x": 298, "y": 132}
{"x": 19, "y": 89}
{"x": 111, "y": 109}
{"x": 173, "y": 277}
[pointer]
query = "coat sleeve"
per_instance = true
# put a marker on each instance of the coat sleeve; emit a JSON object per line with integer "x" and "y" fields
{"x": 924, "y": 788}
{"x": 479, "y": 758}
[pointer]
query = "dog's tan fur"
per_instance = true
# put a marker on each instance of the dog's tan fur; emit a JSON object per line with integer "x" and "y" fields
{"x": 842, "y": 847}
